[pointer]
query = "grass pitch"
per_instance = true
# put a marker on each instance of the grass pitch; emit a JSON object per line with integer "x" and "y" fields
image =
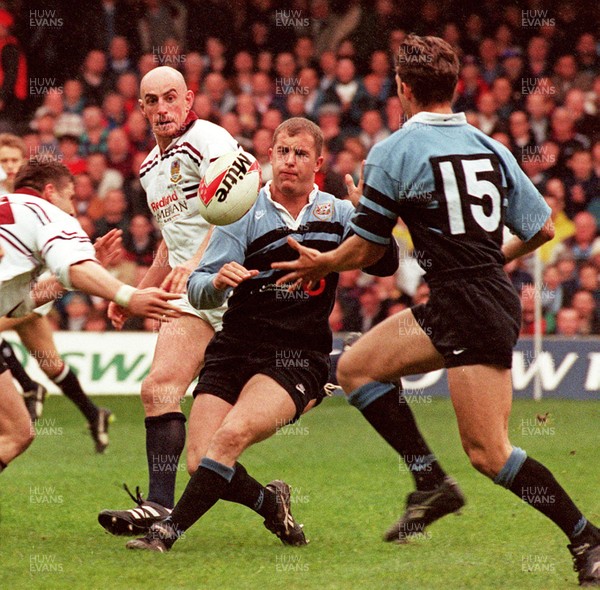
{"x": 348, "y": 487}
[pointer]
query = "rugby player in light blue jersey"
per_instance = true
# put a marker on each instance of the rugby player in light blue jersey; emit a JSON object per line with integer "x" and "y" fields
{"x": 455, "y": 188}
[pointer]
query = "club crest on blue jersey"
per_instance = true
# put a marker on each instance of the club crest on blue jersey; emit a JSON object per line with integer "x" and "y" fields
{"x": 324, "y": 211}
{"x": 175, "y": 171}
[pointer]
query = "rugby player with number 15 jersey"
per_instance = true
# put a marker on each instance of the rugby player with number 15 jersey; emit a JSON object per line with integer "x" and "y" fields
{"x": 455, "y": 188}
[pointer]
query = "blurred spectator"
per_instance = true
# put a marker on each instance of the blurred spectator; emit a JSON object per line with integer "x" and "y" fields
{"x": 538, "y": 108}
{"x": 118, "y": 152}
{"x": 309, "y": 82}
{"x": 128, "y": 88}
{"x": 579, "y": 245}
{"x": 488, "y": 61}
{"x": 13, "y": 152}
{"x": 221, "y": 98}
{"x": 329, "y": 119}
{"x": 564, "y": 228}
{"x": 537, "y": 64}
{"x": 115, "y": 213}
{"x": 85, "y": 199}
{"x": 96, "y": 321}
{"x": 581, "y": 183}
{"x": 371, "y": 311}
{"x": 215, "y": 59}
{"x": 589, "y": 280}
{"x": 552, "y": 291}
{"x": 503, "y": 93}
{"x": 77, "y": 308}
{"x": 567, "y": 322}
{"x": 272, "y": 119}
{"x": 261, "y": 143}
{"x": 585, "y": 124}
{"x": 243, "y": 72}
{"x": 348, "y": 295}
{"x": 94, "y": 77}
{"x": 521, "y": 138}
{"x": 470, "y": 86}
{"x": 96, "y": 132}
{"x": 193, "y": 71}
{"x": 119, "y": 60}
{"x": 73, "y": 99}
{"x": 160, "y": 20}
{"x": 563, "y": 133}
{"x": 88, "y": 226}
{"x": 346, "y": 92}
{"x": 231, "y": 123}
{"x": 139, "y": 132}
{"x": 487, "y": 111}
{"x": 140, "y": 241}
{"x": 103, "y": 178}
{"x": 68, "y": 147}
{"x": 584, "y": 304}
{"x": 113, "y": 107}
{"x": 586, "y": 52}
{"x": 13, "y": 75}
{"x": 43, "y": 123}
{"x": 528, "y": 302}
{"x": 327, "y": 66}
{"x": 372, "y": 130}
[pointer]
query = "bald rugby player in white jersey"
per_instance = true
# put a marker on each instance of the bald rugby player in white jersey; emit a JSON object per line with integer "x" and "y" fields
{"x": 37, "y": 230}
{"x": 170, "y": 176}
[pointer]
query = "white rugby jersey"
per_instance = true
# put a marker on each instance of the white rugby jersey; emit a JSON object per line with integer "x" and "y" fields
{"x": 171, "y": 181}
{"x": 35, "y": 234}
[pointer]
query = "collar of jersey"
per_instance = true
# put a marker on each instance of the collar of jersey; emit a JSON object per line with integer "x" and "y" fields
{"x": 437, "y": 119}
{"x": 285, "y": 214}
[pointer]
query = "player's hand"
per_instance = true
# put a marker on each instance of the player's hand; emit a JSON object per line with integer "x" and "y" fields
{"x": 231, "y": 275}
{"x": 117, "y": 315}
{"x": 154, "y": 303}
{"x": 355, "y": 191}
{"x": 108, "y": 247}
{"x": 176, "y": 280}
{"x": 309, "y": 267}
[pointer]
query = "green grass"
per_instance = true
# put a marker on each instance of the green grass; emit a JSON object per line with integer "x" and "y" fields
{"x": 348, "y": 489}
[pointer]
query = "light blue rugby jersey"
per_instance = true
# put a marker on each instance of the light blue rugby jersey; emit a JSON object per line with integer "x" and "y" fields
{"x": 453, "y": 186}
{"x": 258, "y": 309}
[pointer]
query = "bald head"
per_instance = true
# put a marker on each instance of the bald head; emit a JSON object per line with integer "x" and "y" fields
{"x": 162, "y": 76}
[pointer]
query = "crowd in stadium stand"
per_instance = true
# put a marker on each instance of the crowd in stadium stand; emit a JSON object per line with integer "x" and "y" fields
{"x": 530, "y": 78}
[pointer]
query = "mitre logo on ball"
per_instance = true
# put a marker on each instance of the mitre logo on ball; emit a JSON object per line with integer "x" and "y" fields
{"x": 229, "y": 187}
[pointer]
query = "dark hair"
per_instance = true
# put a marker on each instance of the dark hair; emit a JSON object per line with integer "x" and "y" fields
{"x": 430, "y": 67}
{"x": 38, "y": 172}
{"x": 297, "y": 125}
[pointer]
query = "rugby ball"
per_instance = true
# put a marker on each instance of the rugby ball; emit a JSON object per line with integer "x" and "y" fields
{"x": 229, "y": 187}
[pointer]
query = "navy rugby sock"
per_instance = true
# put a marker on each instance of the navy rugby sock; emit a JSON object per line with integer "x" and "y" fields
{"x": 165, "y": 439}
{"x": 70, "y": 386}
{"x": 244, "y": 489}
{"x": 206, "y": 486}
{"x": 16, "y": 368}
{"x": 386, "y": 409}
{"x": 534, "y": 484}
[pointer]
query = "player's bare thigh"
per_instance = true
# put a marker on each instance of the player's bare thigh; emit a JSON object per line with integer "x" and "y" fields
{"x": 37, "y": 336}
{"x": 16, "y": 430}
{"x": 482, "y": 399}
{"x": 178, "y": 358}
{"x": 392, "y": 349}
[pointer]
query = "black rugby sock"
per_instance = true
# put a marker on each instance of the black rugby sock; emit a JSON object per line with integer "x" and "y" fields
{"x": 17, "y": 370}
{"x": 244, "y": 489}
{"x": 3, "y": 466}
{"x": 70, "y": 386}
{"x": 165, "y": 439}
{"x": 536, "y": 486}
{"x": 206, "y": 486}
{"x": 390, "y": 415}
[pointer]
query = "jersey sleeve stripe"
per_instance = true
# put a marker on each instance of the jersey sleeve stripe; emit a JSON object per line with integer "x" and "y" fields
{"x": 74, "y": 237}
{"x": 374, "y": 196}
{"x": 35, "y": 208}
{"x": 373, "y": 222}
{"x": 370, "y": 237}
{"x": 144, "y": 172}
{"x": 381, "y": 210}
{"x": 22, "y": 248}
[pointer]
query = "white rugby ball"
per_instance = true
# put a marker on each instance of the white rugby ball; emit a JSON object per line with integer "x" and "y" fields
{"x": 229, "y": 187}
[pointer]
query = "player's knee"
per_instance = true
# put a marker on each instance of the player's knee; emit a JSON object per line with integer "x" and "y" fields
{"x": 157, "y": 392}
{"x": 487, "y": 460}
{"x": 348, "y": 373}
{"x": 231, "y": 439}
